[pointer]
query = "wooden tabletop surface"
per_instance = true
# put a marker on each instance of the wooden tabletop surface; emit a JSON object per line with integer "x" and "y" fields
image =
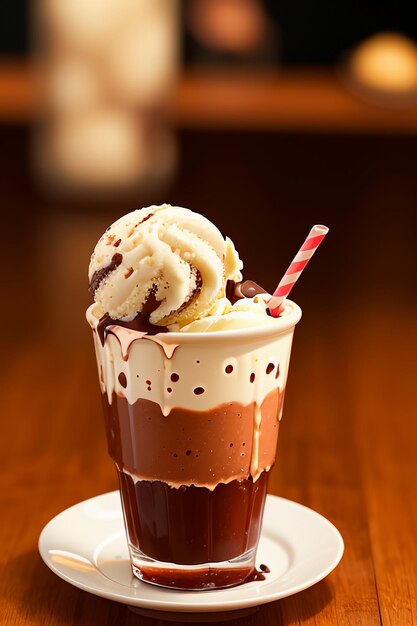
{"x": 347, "y": 445}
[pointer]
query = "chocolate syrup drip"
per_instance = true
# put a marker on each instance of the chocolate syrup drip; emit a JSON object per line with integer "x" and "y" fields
{"x": 117, "y": 258}
{"x": 140, "y": 322}
{"x": 102, "y": 273}
{"x": 196, "y": 292}
{"x": 258, "y": 574}
{"x": 194, "y": 295}
{"x": 247, "y": 289}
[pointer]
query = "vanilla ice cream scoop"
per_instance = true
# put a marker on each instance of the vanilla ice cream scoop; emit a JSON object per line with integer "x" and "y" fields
{"x": 168, "y": 260}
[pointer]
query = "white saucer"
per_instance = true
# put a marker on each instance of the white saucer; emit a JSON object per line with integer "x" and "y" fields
{"x": 86, "y": 546}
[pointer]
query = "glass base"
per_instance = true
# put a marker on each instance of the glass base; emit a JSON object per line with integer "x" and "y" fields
{"x": 205, "y": 576}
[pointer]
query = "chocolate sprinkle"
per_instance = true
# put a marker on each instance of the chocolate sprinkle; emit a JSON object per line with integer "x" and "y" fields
{"x": 144, "y": 219}
{"x": 250, "y": 289}
{"x": 238, "y": 291}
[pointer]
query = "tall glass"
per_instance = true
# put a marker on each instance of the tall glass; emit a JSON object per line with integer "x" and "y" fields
{"x": 192, "y": 424}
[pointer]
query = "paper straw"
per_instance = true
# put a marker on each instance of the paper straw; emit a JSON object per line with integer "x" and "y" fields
{"x": 314, "y": 239}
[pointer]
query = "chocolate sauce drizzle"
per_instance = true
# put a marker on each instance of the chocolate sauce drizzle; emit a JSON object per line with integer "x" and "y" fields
{"x": 238, "y": 291}
{"x": 258, "y": 574}
{"x": 116, "y": 260}
{"x": 140, "y": 323}
{"x": 102, "y": 273}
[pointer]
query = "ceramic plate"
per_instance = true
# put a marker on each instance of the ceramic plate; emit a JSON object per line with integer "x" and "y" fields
{"x": 86, "y": 546}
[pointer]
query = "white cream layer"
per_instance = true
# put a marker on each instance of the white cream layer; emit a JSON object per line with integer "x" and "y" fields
{"x": 229, "y": 366}
{"x": 200, "y": 361}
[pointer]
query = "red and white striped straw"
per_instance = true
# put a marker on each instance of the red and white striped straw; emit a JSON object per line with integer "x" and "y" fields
{"x": 314, "y": 239}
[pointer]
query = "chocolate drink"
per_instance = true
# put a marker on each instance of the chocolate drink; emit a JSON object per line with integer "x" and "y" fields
{"x": 196, "y": 526}
{"x": 192, "y": 370}
{"x": 192, "y": 426}
{"x": 190, "y": 525}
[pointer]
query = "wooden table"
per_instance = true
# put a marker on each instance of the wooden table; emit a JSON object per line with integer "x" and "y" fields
{"x": 348, "y": 441}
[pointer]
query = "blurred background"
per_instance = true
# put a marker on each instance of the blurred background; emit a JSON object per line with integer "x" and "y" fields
{"x": 265, "y": 116}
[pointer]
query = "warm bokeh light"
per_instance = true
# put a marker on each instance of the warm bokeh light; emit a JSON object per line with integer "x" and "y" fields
{"x": 107, "y": 70}
{"x": 386, "y": 62}
{"x": 103, "y": 147}
{"x": 139, "y": 64}
{"x": 72, "y": 84}
{"x": 238, "y": 26}
{"x": 88, "y": 26}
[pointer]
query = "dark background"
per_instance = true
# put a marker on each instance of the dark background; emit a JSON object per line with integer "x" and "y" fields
{"x": 313, "y": 32}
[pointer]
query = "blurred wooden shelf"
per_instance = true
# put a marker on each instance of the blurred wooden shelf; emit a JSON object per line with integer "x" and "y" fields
{"x": 17, "y": 92}
{"x": 310, "y": 100}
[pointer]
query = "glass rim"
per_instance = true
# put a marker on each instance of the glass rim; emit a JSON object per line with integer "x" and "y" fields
{"x": 291, "y": 316}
